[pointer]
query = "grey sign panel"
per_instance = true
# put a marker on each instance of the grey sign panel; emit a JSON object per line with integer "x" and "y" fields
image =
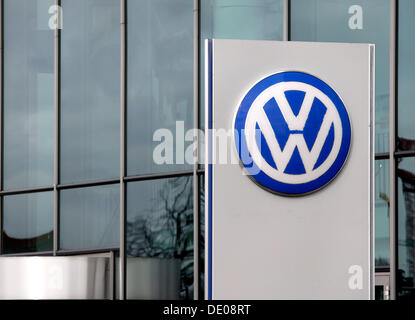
{"x": 301, "y": 227}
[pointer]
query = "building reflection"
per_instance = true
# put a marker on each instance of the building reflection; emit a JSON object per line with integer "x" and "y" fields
{"x": 404, "y": 144}
{"x": 43, "y": 242}
{"x": 406, "y": 275}
{"x": 163, "y": 233}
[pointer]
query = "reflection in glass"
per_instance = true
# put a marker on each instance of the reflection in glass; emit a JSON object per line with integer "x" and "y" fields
{"x": 242, "y": 19}
{"x": 28, "y": 94}
{"x": 347, "y": 21}
{"x": 202, "y": 236}
{"x": 382, "y": 208}
{"x": 160, "y": 80}
{"x": 90, "y": 90}
{"x": 28, "y": 223}
{"x": 406, "y": 76}
{"x": 379, "y": 293}
{"x": 160, "y": 239}
{"x": 237, "y": 19}
{"x": 406, "y": 228}
{"x": 90, "y": 217}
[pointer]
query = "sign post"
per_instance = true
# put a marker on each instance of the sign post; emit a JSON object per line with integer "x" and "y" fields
{"x": 289, "y": 211}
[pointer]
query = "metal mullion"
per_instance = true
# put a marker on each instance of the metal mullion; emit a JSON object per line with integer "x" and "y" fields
{"x": 405, "y": 154}
{"x": 57, "y": 35}
{"x": 392, "y": 146}
{"x": 155, "y": 176}
{"x": 23, "y": 191}
{"x": 29, "y": 254}
{"x": 60, "y": 187}
{"x": 196, "y": 85}
{"x": 73, "y": 252}
{"x": 1, "y": 120}
{"x": 87, "y": 184}
{"x": 286, "y": 20}
{"x": 89, "y": 252}
{"x": 372, "y": 171}
{"x": 123, "y": 91}
{"x": 113, "y": 283}
{"x": 382, "y": 156}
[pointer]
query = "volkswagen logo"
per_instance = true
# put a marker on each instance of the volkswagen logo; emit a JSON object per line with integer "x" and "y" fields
{"x": 296, "y": 131}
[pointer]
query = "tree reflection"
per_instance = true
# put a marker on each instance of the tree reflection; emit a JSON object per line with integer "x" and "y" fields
{"x": 165, "y": 230}
{"x": 405, "y": 278}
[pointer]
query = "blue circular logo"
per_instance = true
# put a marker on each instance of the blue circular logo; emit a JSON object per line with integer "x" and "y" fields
{"x": 292, "y": 133}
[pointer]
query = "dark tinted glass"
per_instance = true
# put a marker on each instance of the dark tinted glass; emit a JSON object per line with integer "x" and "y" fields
{"x": 242, "y": 19}
{"x": 28, "y": 94}
{"x": 160, "y": 83}
{"x": 90, "y": 90}
{"x": 382, "y": 209}
{"x": 237, "y": 19}
{"x": 405, "y": 277}
{"x": 202, "y": 237}
{"x": 28, "y": 222}
{"x": 90, "y": 217}
{"x": 406, "y": 76}
{"x": 160, "y": 239}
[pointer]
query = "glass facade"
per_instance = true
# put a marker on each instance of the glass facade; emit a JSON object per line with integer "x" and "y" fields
{"x": 382, "y": 213}
{"x": 159, "y": 81}
{"x": 406, "y": 227}
{"x": 76, "y": 164}
{"x": 405, "y": 146}
{"x": 340, "y": 21}
{"x": 242, "y": 19}
{"x": 406, "y": 76}
{"x": 89, "y": 217}
{"x": 28, "y": 110}
{"x": 237, "y": 19}
{"x": 27, "y": 223}
{"x": 90, "y": 90}
{"x": 160, "y": 235}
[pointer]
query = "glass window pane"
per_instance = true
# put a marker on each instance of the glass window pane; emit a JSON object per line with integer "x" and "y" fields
{"x": 202, "y": 237}
{"x": 406, "y": 76}
{"x": 28, "y": 223}
{"x": 347, "y": 21}
{"x": 90, "y": 217}
{"x": 242, "y": 19}
{"x": 236, "y": 19}
{"x": 406, "y": 227}
{"x": 382, "y": 213}
{"x": 160, "y": 239}
{"x": 28, "y": 94}
{"x": 160, "y": 82}
{"x": 90, "y": 90}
